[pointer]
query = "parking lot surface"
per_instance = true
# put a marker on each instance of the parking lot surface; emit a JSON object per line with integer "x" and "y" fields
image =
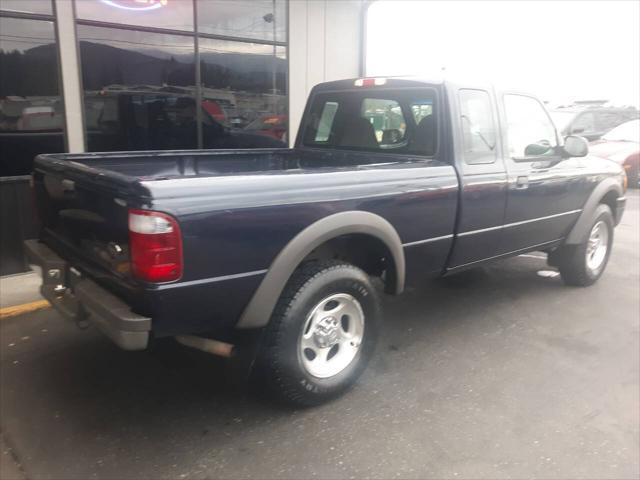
{"x": 499, "y": 372}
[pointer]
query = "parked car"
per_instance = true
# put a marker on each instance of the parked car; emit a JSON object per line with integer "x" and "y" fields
{"x": 271, "y": 253}
{"x": 591, "y": 123}
{"x": 622, "y": 145}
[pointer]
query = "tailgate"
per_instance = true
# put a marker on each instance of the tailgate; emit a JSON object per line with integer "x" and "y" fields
{"x": 84, "y": 213}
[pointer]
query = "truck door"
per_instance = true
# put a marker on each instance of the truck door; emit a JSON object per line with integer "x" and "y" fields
{"x": 544, "y": 188}
{"x": 483, "y": 182}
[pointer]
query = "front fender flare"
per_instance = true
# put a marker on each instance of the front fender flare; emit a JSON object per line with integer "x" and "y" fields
{"x": 259, "y": 309}
{"x": 581, "y": 228}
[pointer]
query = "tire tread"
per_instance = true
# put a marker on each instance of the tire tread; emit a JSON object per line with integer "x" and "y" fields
{"x": 278, "y": 383}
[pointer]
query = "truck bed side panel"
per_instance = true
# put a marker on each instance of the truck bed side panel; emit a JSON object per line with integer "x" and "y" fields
{"x": 234, "y": 227}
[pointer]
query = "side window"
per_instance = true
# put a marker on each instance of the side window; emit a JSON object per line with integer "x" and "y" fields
{"x": 387, "y": 119}
{"x": 608, "y": 120}
{"x": 585, "y": 122}
{"x": 530, "y": 132}
{"x": 478, "y": 127}
{"x": 323, "y": 131}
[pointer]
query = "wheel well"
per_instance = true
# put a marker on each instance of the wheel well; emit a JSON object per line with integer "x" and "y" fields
{"x": 364, "y": 251}
{"x": 610, "y": 199}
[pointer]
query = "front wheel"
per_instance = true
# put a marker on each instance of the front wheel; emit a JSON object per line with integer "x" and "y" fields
{"x": 582, "y": 264}
{"x": 322, "y": 333}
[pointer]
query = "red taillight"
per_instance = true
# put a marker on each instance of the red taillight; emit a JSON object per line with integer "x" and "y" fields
{"x": 370, "y": 82}
{"x": 155, "y": 244}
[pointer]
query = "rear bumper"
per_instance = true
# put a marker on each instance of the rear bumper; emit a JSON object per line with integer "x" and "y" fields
{"x": 621, "y": 202}
{"x": 81, "y": 299}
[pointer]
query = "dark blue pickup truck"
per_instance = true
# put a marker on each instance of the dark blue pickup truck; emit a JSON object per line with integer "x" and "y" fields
{"x": 392, "y": 178}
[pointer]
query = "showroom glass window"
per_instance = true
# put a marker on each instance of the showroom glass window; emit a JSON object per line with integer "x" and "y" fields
{"x": 139, "y": 89}
{"x": 256, "y": 19}
{"x": 31, "y": 111}
{"x": 142, "y": 90}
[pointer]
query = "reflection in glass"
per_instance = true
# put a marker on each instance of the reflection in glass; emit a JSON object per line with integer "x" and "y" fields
{"x": 29, "y": 6}
{"x": 257, "y": 19}
{"x": 171, "y": 14}
{"x": 139, "y": 89}
{"x": 31, "y": 112}
{"x": 246, "y": 83}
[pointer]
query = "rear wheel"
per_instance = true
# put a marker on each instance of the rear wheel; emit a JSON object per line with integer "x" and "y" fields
{"x": 322, "y": 333}
{"x": 583, "y": 264}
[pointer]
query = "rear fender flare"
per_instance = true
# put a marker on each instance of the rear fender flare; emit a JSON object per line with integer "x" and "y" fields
{"x": 259, "y": 309}
{"x": 581, "y": 228}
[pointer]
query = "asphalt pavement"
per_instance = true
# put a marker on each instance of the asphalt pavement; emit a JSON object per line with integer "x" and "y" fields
{"x": 500, "y": 372}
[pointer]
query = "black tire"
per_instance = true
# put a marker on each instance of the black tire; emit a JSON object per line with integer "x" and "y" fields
{"x": 572, "y": 259}
{"x": 280, "y": 366}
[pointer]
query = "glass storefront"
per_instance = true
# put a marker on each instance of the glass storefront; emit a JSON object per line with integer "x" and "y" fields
{"x": 143, "y": 89}
{"x": 27, "y": 6}
{"x": 257, "y": 19}
{"x": 165, "y": 14}
{"x": 156, "y": 74}
{"x": 139, "y": 89}
{"x": 31, "y": 112}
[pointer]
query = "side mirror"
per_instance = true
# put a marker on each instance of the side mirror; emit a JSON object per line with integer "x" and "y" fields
{"x": 575, "y": 146}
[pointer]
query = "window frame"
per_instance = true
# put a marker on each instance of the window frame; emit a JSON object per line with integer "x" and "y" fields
{"x": 531, "y": 158}
{"x": 50, "y": 18}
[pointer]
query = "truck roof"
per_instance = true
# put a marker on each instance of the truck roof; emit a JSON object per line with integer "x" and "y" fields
{"x": 407, "y": 81}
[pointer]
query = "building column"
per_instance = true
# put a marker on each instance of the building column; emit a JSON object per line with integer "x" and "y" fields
{"x": 325, "y": 43}
{"x": 69, "y": 61}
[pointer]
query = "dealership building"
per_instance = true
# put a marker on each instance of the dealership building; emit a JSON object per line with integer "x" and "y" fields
{"x": 109, "y": 75}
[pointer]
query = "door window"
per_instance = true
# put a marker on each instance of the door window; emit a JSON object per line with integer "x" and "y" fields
{"x": 478, "y": 127}
{"x": 530, "y": 132}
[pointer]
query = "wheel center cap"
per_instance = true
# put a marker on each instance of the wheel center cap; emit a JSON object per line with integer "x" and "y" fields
{"x": 326, "y": 332}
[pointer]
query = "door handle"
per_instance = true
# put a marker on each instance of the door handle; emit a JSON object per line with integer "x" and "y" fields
{"x": 522, "y": 182}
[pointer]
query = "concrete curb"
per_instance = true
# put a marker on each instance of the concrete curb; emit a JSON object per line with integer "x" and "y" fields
{"x": 19, "y": 289}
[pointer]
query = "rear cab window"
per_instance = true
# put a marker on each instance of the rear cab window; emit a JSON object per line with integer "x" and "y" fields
{"x": 402, "y": 121}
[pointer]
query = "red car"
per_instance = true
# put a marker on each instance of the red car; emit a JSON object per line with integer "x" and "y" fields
{"x": 622, "y": 145}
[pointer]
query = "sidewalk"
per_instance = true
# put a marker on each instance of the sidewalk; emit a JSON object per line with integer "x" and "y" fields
{"x": 19, "y": 289}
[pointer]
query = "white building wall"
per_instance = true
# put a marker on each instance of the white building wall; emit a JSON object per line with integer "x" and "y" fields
{"x": 325, "y": 43}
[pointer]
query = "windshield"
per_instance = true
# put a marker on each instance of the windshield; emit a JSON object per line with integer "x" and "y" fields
{"x": 401, "y": 121}
{"x": 562, "y": 119}
{"x": 627, "y": 132}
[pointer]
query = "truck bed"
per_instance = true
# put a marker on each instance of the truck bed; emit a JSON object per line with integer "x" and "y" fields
{"x": 236, "y": 210}
{"x": 162, "y": 165}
